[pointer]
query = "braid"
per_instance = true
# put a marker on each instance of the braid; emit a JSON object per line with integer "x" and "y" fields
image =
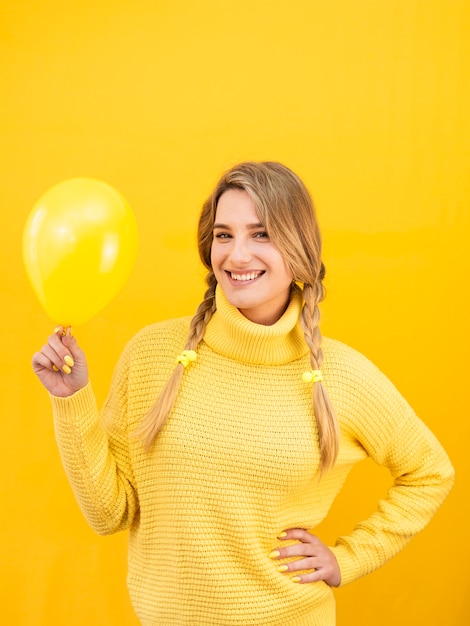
{"x": 203, "y": 314}
{"x": 155, "y": 418}
{"x": 326, "y": 420}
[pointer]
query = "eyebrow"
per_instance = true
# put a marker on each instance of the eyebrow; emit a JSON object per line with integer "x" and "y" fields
{"x": 226, "y": 227}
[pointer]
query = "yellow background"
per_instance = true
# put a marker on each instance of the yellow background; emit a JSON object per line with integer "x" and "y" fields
{"x": 369, "y": 102}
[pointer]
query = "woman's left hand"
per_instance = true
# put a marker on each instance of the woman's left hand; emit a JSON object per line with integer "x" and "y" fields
{"x": 317, "y": 556}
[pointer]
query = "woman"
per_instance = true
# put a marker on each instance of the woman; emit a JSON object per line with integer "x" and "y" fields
{"x": 223, "y": 479}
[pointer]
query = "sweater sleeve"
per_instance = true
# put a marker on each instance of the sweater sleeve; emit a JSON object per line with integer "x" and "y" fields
{"x": 96, "y": 456}
{"x": 384, "y": 424}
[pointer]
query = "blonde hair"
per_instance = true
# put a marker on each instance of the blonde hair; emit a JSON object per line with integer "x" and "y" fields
{"x": 285, "y": 208}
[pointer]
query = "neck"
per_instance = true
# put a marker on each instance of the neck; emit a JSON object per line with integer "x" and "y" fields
{"x": 231, "y": 334}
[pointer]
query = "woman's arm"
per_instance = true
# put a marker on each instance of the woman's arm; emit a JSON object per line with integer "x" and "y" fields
{"x": 423, "y": 477}
{"x": 97, "y": 464}
{"x": 377, "y": 419}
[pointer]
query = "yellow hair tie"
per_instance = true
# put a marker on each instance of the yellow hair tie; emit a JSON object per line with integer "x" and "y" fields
{"x": 314, "y": 375}
{"x": 186, "y": 357}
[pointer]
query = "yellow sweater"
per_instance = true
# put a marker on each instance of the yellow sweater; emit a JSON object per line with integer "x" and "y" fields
{"x": 236, "y": 463}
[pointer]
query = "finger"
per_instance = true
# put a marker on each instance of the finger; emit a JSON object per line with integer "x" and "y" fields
{"x": 302, "y": 564}
{"x": 65, "y": 345}
{"x": 55, "y": 360}
{"x": 58, "y": 354}
{"x": 312, "y": 577}
{"x": 297, "y": 533}
{"x": 298, "y": 549}
{"x": 323, "y": 568}
{"x": 330, "y": 575}
{"x": 41, "y": 361}
{"x": 71, "y": 344}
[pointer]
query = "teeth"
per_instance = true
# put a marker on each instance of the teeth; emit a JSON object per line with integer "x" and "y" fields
{"x": 242, "y": 277}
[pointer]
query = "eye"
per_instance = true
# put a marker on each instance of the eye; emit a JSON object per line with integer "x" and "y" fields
{"x": 221, "y": 236}
{"x": 261, "y": 235}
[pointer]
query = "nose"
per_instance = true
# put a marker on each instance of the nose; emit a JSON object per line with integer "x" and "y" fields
{"x": 240, "y": 253}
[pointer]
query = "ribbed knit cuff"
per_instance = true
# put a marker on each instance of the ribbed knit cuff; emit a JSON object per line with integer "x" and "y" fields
{"x": 347, "y": 564}
{"x": 80, "y": 407}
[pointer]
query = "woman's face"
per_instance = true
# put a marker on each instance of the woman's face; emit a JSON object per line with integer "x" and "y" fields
{"x": 248, "y": 267}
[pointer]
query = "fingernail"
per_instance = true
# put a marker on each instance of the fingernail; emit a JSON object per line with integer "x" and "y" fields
{"x": 282, "y": 535}
{"x": 66, "y": 369}
{"x": 68, "y": 359}
{"x": 274, "y": 554}
{"x": 296, "y": 579}
{"x": 57, "y": 328}
{"x": 55, "y": 368}
{"x": 282, "y": 568}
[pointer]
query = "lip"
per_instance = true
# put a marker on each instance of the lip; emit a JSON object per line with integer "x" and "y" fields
{"x": 246, "y": 281}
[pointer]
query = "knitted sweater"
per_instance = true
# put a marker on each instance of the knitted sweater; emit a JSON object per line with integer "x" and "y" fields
{"x": 236, "y": 463}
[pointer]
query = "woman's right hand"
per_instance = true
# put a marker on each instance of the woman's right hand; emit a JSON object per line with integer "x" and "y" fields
{"x": 61, "y": 365}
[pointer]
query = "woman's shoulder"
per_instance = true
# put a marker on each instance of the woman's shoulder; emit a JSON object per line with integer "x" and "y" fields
{"x": 161, "y": 336}
{"x": 353, "y": 375}
{"x": 350, "y": 365}
{"x": 174, "y": 325}
{"x": 337, "y": 353}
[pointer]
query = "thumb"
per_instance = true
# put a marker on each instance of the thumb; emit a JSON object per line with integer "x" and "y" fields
{"x": 70, "y": 342}
{"x": 78, "y": 365}
{"x": 68, "y": 339}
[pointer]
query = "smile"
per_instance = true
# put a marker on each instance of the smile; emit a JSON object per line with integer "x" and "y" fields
{"x": 247, "y": 277}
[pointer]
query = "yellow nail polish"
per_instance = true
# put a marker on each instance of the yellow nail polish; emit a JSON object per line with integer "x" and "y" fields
{"x": 68, "y": 359}
{"x": 274, "y": 554}
{"x": 282, "y": 568}
{"x": 296, "y": 579}
{"x": 281, "y": 535}
{"x": 55, "y": 368}
{"x": 66, "y": 369}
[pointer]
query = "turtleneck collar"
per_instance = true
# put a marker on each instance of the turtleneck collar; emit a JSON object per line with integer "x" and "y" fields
{"x": 233, "y": 335}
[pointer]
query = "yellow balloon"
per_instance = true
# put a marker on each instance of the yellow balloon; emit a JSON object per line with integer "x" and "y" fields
{"x": 79, "y": 248}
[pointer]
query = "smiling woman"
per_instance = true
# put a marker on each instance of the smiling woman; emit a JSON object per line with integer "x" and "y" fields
{"x": 219, "y": 447}
{"x": 247, "y": 265}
